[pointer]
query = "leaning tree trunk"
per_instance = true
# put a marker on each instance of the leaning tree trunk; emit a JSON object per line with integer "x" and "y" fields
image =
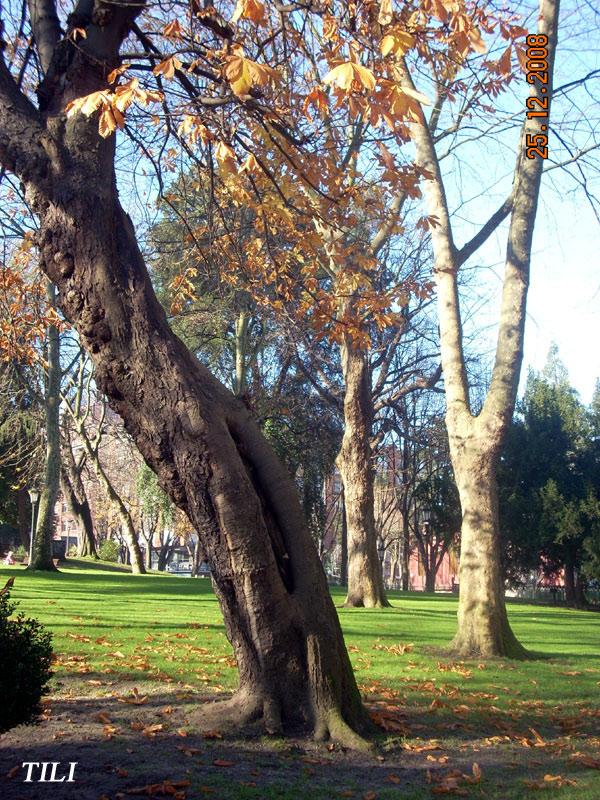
{"x": 44, "y": 530}
{"x": 205, "y": 447}
{"x": 355, "y": 463}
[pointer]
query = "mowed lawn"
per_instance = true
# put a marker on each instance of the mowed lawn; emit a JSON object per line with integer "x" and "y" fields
{"x": 133, "y": 652}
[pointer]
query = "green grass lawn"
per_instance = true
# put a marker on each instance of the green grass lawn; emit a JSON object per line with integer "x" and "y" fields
{"x": 518, "y": 720}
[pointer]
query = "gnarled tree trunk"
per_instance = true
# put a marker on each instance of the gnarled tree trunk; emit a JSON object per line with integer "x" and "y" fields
{"x": 202, "y": 442}
{"x": 214, "y": 463}
{"x": 355, "y": 463}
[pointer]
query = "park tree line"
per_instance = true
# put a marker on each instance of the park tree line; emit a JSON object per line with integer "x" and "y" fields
{"x": 317, "y": 136}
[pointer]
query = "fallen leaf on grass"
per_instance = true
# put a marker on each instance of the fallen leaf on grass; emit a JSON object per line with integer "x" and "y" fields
{"x": 422, "y": 748}
{"x": 13, "y": 772}
{"x": 102, "y": 717}
{"x": 369, "y": 796}
{"x": 212, "y": 735}
{"x": 150, "y": 731}
{"x": 549, "y": 782}
{"x": 453, "y": 782}
{"x": 395, "y": 649}
{"x": 164, "y": 789}
{"x": 222, "y": 762}
{"x": 135, "y": 699}
{"x": 539, "y": 741}
{"x": 458, "y": 667}
{"x": 583, "y": 760}
{"x": 79, "y": 638}
{"x": 189, "y": 751}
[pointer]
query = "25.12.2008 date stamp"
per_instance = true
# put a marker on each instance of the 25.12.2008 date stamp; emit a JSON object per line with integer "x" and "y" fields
{"x": 536, "y": 144}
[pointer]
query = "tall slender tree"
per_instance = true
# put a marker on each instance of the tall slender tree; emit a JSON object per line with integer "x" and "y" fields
{"x": 476, "y": 439}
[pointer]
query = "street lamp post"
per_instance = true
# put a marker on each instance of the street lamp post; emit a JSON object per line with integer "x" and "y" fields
{"x": 34, "y": 496}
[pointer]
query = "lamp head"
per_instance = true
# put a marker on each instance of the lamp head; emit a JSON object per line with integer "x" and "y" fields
{"x": 34, "y": 495}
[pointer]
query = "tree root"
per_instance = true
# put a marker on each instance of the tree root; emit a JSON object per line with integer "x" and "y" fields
{"x": 234, "y": 712}
{"x": 332, "y": 726}
{"x": 245, "y": 708}
{"x": 508, "y": 647}
{"x": 350, "y": 603}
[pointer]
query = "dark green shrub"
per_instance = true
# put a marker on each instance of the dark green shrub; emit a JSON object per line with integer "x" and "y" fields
{"x": 109, "y": 550}
{"x": 25, "y": 656}
{"x": 20, "y": 553}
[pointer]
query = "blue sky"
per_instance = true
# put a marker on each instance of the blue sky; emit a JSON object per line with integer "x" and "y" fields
{"x": 564, "y": 295}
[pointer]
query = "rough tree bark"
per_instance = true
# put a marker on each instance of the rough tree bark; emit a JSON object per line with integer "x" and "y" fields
{"x": 476, "y": 441}
{"x": 44, "y": 530}
{"x": 355, "y": 463}
{"x": 202, "y": 442}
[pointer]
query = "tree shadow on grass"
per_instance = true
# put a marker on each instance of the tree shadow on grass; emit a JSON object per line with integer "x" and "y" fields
{"x": 120, "y": 746}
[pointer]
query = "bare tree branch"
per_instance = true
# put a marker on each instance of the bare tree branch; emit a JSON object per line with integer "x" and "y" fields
{"x": 46, "y": 29}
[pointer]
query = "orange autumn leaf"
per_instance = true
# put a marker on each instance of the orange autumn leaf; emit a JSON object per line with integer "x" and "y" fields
{"x": 243, "y": 73}
{"x": 167, "y": 67}
{"x": 583, "y": 760}
{"x": 172, "y": 30}
{"x": 550, "y": 782}
{"x": 386, "y": 13}
{"x": 253, "y": 10}
{"x": 397, "y": 43}
{"x": 350, "y": 76}
{"x": 226, "y": 158}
